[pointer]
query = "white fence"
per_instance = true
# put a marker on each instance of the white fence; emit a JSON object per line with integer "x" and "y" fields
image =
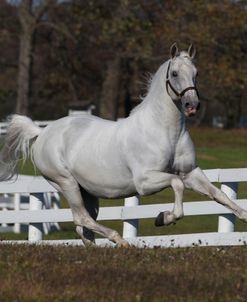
{"x": 4, "y": 125}
{"x": 131, "y": 213}
{"x": 42, "y": 124}
{"x": 21, "y": 201}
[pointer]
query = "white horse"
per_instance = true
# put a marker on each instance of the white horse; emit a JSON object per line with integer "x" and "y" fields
{"x": 87, "y": 157}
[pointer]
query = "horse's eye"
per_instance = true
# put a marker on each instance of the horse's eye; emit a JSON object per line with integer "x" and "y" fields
{"x": 174, "y": 74}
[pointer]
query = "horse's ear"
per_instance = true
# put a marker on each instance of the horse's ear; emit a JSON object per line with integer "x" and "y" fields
{"x": 192, "y": 51}
{"x": 173, "y": 50}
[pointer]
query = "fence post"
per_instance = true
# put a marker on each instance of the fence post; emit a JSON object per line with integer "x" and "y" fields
{"x": 17, "y": 207}
{"x": 130, "y": 227}
{"x": 5, "y": 209}
{"x": 35, "y": 230}
{"x": 226, "y": 222}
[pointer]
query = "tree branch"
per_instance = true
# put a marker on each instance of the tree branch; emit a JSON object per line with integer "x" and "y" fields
{"x": 59, "y": 28}
{"x": 40, "y": 10}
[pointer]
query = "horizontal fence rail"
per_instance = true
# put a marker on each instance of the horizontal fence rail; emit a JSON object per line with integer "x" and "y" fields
{"x": 194, "y": 208}
{"x": 44, "y": 123}
{"x": 38, "y": 184}
{"x": 131, "y": 213}
{"x": 4, "y": 125}
{"x": 26, "y": 184}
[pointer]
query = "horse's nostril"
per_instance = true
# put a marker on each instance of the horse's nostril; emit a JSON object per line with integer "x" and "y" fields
{"x": 187, "y": 104}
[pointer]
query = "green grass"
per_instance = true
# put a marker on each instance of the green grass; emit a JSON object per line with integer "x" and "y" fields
{"x": 216, "y": 148}
{"x": 221, "y": 157}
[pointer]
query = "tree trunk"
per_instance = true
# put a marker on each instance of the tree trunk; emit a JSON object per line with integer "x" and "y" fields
{"x": 29, "y": 15}
{"x": 25, "y": 63}
{"x": 110, "y": 90}
{"x": 232, "y": 113}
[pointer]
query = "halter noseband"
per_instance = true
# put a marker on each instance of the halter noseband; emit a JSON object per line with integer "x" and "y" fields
{"x": 168, "y": 84}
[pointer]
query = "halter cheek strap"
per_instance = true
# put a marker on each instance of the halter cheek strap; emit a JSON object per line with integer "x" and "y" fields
{"x": 169, "y": 84}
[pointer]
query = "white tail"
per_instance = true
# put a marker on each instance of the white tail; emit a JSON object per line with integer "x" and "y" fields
{"x": 21, "y": 132}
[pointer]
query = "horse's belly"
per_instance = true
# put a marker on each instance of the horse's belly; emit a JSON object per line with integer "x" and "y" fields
{"x": 107, "y": 183}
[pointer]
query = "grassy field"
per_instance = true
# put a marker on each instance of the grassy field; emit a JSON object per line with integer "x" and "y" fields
{"x": 42, "y": 274}
{"x": 216, "y": 148}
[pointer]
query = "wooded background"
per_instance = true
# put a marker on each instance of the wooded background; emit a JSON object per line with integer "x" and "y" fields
{"x": 55, "y": 55}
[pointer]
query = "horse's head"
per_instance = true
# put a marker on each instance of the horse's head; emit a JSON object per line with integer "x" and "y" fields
{"x": 181, "y": 79}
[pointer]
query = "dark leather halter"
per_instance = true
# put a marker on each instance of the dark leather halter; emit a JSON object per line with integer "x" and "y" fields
{"x": 168, "y": 84}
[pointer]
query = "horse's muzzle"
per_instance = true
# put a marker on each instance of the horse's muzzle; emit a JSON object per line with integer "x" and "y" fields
{"x": 191, "y": 108}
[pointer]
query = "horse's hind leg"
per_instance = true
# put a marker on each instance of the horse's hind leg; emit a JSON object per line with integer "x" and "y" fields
{"x": 71, "y": 191}
{"x": 92, "y": 206}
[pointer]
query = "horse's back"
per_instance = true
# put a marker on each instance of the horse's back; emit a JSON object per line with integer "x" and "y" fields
{"x": 71, "y": 128}
{"x": 90, "y": 149}
{"x": 68, "y": 134}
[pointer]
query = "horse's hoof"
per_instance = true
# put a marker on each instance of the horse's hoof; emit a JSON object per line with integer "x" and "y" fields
{"x": 164, "y": 218}
{"x": 244, "y": 216}
{"x": 159, "y": 221}
{"x": 123, "y": 243}
{"x": 88, "y": 243}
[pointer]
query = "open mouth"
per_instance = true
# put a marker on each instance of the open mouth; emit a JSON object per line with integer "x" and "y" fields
{"x": 190, "y": 111}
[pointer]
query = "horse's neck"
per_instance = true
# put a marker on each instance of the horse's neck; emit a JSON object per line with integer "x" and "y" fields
{"x": 158, "y": 116}
{"x": 158, "y": 111}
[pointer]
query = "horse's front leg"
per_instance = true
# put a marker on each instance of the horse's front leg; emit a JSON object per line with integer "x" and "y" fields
{"x": 154, "y": 181}
{"x": 197, "y": 181}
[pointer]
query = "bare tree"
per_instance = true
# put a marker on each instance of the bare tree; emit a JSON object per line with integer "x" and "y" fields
{"x": 110, "y": 90}
{"x": 29, "y": 16}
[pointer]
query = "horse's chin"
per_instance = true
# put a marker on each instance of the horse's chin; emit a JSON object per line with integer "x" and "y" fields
{"x": 189, "y": 114}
